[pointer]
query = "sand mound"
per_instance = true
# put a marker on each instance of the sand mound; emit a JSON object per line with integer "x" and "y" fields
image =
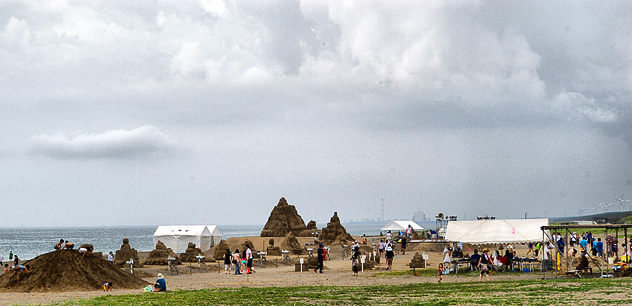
{"x": 67, "y": 270}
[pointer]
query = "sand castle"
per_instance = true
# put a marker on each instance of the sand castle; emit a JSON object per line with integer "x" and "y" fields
{"x": 417, "y": 261}
{"x": 220, "y": 250}
{"x": 284, "y": 219}
{"x": 190, "y": 253}
{"x": 67, "y": 270}
{"x": 291, "y": 243}
{"x": 159, "y": 255}
{"x": 335, "y": 233}
{"x": 273, "y": 250}
{"x": 125, "y": 254}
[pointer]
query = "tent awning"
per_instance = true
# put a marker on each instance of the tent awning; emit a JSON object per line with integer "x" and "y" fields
{"x": 182, "y": 230}
{"x": 401, "y": 226}
{"x": 495, "y": 231}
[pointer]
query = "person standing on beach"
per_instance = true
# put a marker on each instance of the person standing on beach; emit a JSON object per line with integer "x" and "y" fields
{"x": 389, "y": 236}
{"x": 380, "y": 247}
{"x": 111, "y": 257}
{"x": 16, "y": 260}
{"x": 320, "y": 252}
{"x": 227, "y": 260}
{"x": 249, "y": 260}
{"x": 237, "y": 261}
{"x": 355, "y": 260}
{"x": 440, "y": 273}
{"x": 1, "y": 259}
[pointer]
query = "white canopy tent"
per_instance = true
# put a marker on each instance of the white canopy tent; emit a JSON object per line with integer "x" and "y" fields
{"x": 216, "y": 235}
{"x": 496, "y": 231}
{"x": 401, "y": 226}
{"x": 177, "y": 237}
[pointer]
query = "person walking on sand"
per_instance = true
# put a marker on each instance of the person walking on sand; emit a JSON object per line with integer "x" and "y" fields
{"x": 380, "y": 247}
{"x": 440, "y": 273}
{"x": 483, "y": 264}
{"x": 389, "y": 255}
{"x": 321, "y": 249}
{"x": 237, "y": 261}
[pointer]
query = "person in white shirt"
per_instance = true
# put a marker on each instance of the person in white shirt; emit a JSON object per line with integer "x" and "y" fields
{"x": 249, "y": 259}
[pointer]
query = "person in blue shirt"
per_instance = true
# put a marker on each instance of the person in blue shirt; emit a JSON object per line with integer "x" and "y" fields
{"x": 599, "y": 247}
{"x": 161, "y": 284}
{"x": 320, "y": 259}
{"x": 583, "y": 244}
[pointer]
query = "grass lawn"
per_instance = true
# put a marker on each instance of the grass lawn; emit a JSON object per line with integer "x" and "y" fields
{"x": 532, "y": 292}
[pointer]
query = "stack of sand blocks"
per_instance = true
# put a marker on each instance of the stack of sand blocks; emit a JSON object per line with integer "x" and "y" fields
{"x": 418, "y": 261}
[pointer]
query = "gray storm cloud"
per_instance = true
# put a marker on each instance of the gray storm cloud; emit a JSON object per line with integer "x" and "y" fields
{"x": 140, "y": 143}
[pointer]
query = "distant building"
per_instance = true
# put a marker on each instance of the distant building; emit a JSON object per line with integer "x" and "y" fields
{"x": 419, "y": 216}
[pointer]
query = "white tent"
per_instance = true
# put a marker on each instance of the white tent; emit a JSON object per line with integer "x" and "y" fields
{"x": 215, "y": 234}
{"x": 177, "y": 237}
{"x": 401, "y": 226}
{"x": 495, "y": 231}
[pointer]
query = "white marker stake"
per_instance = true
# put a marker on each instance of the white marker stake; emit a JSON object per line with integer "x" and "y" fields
{"x": 301, "y": 260}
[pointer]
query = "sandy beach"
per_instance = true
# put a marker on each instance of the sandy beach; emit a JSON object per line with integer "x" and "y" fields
{"x": 337, "y": 272}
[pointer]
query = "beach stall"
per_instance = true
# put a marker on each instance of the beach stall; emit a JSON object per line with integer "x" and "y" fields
{"x": 401, "y": 226}
{"x": 177, "y": 237}
{"x": 216, "y": 235}
{"x": 496, "y": 231}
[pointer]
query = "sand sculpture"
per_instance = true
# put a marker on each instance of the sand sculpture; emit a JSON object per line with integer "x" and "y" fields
{"x": 159, "y": 255}
{"x": 417, "y": 261}
{"x": 125, "y": 254}
{"x": 335, "y": 233}
{"x": 67, "y": 270}
{"x": 291, "y": 243}
{"x": 190, "y": 253}
{"x": 220, "y": 250}
{"x": 284, "y": 219}
{"x": 311, "y": 226}
{"x": 273, "y": 250}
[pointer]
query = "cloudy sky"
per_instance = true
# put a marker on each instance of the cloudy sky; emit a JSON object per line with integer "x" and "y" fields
{"x": 209, "y": 111}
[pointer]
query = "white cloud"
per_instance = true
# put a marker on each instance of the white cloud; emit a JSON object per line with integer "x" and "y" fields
{"x": 576, "y": 106}
{"x": 139, "y": 143}
{"x": 214, "y": 7}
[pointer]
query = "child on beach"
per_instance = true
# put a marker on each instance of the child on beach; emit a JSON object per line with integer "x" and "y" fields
{"x": 440, "y": 273}
{"x": 107, "y": 287}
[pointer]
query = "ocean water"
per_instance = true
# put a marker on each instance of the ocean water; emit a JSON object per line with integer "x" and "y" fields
{"x": 28, "y": 243}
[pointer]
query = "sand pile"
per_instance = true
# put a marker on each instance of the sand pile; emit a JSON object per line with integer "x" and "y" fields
{"x": 284, "y": 219}
{"x": 67, "y": 270}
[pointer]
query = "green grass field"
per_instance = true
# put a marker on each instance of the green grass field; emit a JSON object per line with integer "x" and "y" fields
{"x": 532, "y": 292}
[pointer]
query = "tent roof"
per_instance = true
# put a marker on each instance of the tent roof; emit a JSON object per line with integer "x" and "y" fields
{"x": 496, "y": 231}
{"x": 401, "y": 226}
{"x": 213, "y": 230}
{"x": 182, "y": 230}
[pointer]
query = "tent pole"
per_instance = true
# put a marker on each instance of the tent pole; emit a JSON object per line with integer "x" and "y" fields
{"x": 566, "y": 248}
{"x": 543, "y": 267}
{"x": 627, "y": 246}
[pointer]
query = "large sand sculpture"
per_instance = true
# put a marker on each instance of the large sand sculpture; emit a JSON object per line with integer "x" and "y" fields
{"x": 125, "y": 254}
{"x": 159, "y": 255}
{"x": 335, "y": 233}
{"x": 67, "y": 270}
{"x": 284, "y": 219}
